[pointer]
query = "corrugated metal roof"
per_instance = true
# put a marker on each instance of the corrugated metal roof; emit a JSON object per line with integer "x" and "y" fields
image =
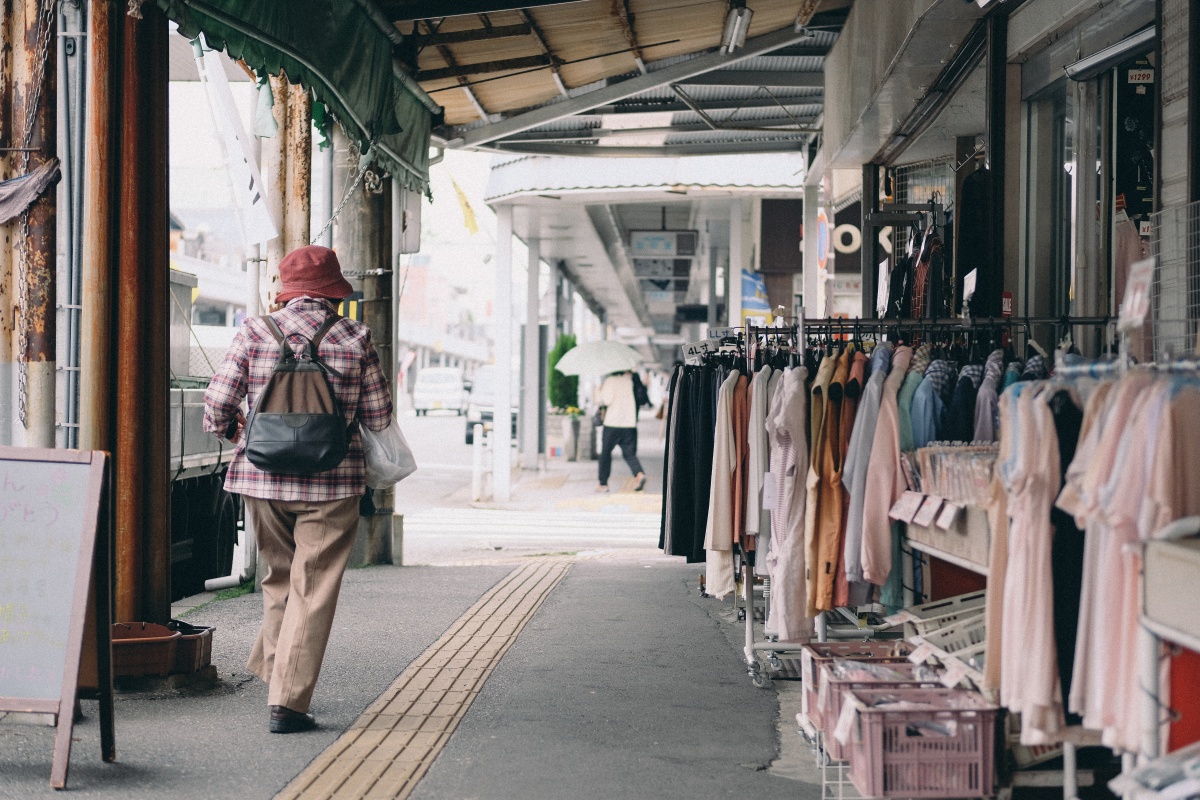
{"x": 547, "y": 174}
{"x": 496, "y": 69}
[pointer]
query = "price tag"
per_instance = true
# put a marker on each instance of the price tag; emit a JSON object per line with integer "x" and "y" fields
{"x": 906, "y": 507}
{"x": 955, "y": 672}
{"x": 722, "y": 333}
{"x": 928, "y": 511}
{"x": 949, "y": 516}
{"x": 1141, "y": 76}
{"x": 845, "y": 723}
{"x": 921, "y": 654}
{"x": 1136, "y": 304}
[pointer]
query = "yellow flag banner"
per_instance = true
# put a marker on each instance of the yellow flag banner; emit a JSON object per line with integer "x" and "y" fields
{"x": 468, "y": 212}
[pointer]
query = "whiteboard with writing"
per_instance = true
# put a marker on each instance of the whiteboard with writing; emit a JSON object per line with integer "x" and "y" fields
{"x": 43, "y": 517}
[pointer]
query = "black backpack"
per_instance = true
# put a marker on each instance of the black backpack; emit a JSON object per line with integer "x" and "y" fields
{"x": 640, "y": 395}
{"x": 297, "y": 426}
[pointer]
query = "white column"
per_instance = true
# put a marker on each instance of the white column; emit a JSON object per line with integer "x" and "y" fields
{"x": 737, "y": 261}
{"x": 812, "y": 203}
{"x": 531, "y": 395}
{"x": 502, "y": 332}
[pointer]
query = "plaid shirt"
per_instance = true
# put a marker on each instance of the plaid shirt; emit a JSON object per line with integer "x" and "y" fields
{"x": 362, "y": 390}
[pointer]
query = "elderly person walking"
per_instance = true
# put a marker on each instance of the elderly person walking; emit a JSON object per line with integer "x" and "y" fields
{"x": 305, "y": 523}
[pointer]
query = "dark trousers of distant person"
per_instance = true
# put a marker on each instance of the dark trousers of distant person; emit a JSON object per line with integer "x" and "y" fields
{"x": 627, "y": 439}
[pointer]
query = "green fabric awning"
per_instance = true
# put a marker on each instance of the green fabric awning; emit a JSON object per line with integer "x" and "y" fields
{"x": 332, "y": 48}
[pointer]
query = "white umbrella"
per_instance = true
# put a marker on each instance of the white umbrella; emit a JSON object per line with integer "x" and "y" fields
{"x": 598, "y": 358}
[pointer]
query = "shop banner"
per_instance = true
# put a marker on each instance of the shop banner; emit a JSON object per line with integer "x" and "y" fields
{"x": 756, "y": 306}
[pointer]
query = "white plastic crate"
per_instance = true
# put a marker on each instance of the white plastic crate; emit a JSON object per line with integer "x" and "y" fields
{"x": 930, "y": 617}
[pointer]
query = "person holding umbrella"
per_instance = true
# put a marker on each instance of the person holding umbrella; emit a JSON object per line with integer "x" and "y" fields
{"x": 619, "y": 406}
{"x": 618, "y": 397}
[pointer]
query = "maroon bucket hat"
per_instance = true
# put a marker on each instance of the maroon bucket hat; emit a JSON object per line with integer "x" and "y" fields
{"x": 312, "y": 271}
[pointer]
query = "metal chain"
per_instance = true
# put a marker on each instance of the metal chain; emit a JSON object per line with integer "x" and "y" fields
{"x": 362, "y": 171}
{"x": 46, "y": 16}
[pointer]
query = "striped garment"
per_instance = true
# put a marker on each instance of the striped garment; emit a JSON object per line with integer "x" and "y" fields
{"x": 361, "y": 387}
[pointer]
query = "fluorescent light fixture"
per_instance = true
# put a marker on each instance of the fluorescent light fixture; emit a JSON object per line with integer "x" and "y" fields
{"x": 737, "y": 25}
{"x": 1087, "y": 68}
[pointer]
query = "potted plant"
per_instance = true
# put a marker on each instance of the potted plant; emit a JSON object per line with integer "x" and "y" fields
{"x": 563, "y": 394}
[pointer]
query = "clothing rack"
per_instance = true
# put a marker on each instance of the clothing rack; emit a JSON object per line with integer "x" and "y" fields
{"x": 795, "y": 334}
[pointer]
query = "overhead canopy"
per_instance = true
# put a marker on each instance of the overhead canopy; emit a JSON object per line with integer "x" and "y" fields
{"x": 622, "y": 77}
{"x": 337, "y": 51}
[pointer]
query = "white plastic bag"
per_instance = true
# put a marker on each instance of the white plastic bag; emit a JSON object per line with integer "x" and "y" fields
{"x": 389, "y": 458}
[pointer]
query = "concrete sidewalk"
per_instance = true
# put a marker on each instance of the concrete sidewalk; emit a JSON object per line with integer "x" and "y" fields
{"x": 553, "y": 652}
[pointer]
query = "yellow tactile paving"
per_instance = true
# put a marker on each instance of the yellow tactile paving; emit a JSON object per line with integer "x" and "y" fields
{"x": 388, "y": 749}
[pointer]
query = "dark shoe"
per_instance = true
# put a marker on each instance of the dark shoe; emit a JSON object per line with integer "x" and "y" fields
{"x": 284, "y": 720}
{"x": 641, "y": 482}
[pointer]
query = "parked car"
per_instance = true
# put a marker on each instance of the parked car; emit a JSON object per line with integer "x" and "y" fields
{"x": 481, "y": 401}
{"x": 439, "y": 388}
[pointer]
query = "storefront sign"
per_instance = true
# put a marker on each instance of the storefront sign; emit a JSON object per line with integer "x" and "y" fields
{"x": 822, "y": 239}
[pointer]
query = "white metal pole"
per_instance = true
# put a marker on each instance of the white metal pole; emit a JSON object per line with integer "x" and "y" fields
{"x": 737, "y": 261}
{"x": 531, "y": 394}
{"x": 476, "y": 462}
{"x": 502, "y": 332}
{"x": 812, "y": 199}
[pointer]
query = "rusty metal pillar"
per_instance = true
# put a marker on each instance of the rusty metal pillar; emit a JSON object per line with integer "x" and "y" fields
{"x": 35, "y": 113}
{"x": 99, "y": 241}
{"x": 8, "y": 138}
{"x": 362, "y": 238}
{"x": 143, "y": 555}
{"x": 297, "y": 151}
{"x": 287, "y": 173}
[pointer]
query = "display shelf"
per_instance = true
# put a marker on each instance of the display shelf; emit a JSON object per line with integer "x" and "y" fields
{"x": 950, "y": 558}
{"x": 1172, "y": 635}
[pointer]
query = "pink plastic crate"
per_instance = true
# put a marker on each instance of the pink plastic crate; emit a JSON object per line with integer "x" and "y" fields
{"x": 833, "y": 690}
{"x": 816, "y": 655}
{"x": 943, "y": 746}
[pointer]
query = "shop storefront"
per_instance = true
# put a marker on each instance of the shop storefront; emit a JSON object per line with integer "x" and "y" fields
{"x": 995, "y": 452}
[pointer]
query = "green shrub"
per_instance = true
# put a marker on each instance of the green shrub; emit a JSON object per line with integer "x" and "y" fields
{"x": 563, "y": 389}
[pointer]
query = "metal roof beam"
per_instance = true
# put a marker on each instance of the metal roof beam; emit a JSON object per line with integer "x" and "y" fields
{"x": 448, "y": 57}
{"x": 436, "y": 9}
{"x": 627, "y": 88}
{"x": 804, "y": 50}
{"x": 775, "y": 124}
{"x": 480, "y": 68}
{"x": 732, "y": 77}
{"x": 641, "y": 107}
{"x": 538, "y": 34}
{"x": 476, "y": 35}
{"x": 699, "y": 149}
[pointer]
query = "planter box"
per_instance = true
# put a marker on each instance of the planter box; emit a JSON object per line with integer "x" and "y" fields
{"x": 143, "y": 648}
{"x": 194, "y": 649}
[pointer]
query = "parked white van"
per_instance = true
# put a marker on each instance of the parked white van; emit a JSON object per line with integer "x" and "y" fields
{"x": 439, "y": 388}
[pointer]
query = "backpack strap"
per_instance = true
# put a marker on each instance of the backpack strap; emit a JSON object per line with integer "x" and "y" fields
{"x": 285, "y": 352}
{"x": 315, "y": 342}
{"x": 319, "y": 336}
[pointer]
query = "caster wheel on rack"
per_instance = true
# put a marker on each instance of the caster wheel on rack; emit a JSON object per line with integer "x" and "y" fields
{"x": 759, "y": 680}
{"x": 775, "y": 663}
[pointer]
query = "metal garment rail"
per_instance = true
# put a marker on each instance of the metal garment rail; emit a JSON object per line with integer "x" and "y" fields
{"x": 794, "y": 336}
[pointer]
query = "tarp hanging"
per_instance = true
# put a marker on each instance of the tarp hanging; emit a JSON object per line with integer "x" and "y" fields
{"x": 332, "y": 48}
{"x": 18, "y": 194}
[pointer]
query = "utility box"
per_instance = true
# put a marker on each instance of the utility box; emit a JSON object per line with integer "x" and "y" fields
{"x": 182, "y": 284}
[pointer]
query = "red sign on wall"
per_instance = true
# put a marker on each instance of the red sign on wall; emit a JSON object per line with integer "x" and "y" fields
{"x": 1006, "y": 304}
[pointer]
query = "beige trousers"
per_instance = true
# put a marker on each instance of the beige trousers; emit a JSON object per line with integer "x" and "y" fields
{"x": 305, "y": 547}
